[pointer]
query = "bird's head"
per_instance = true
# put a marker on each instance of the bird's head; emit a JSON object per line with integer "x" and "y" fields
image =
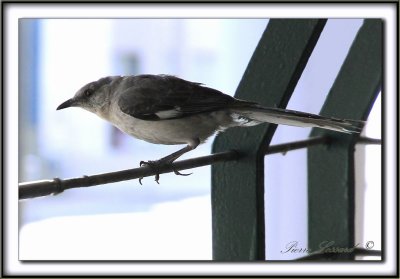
{"x": 94, "y": 97}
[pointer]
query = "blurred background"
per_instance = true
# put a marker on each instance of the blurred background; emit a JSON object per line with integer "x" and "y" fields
{"x": 170, "y": 221}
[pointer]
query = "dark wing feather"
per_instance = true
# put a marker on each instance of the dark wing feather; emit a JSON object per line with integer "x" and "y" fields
{"x": 153, "y": 97}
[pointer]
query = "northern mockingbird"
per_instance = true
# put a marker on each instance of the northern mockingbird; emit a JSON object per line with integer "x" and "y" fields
{"x": 164, "y": 109}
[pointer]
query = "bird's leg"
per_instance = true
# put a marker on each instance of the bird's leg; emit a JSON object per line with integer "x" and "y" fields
{"x": 169, "y": 159}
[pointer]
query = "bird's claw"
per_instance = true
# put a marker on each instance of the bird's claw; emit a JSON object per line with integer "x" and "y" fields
{"x": 155, "y": 165}
{"x": 179, "y": 173}
{"x": 143, "y": 163}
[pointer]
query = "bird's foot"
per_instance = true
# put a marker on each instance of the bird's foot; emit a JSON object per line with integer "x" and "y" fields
{"x": 155, "y": 165}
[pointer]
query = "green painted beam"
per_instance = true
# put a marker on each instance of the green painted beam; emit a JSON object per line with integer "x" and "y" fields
{"x": 331, "y": 167}
{"x": 238, "y": 186}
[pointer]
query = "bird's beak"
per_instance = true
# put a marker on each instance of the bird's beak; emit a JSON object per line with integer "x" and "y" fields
{"x": 67, "y": 104}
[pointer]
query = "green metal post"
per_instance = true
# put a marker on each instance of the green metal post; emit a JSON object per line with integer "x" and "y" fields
{"x": 331, "y": 167}
{"x": 238, "y": 186}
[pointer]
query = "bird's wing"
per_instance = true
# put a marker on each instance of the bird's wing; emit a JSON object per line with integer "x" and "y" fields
{"x": 152, "y": 97}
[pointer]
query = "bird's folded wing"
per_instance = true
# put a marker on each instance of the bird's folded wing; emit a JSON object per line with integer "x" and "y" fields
{"x": 168, "y": 97}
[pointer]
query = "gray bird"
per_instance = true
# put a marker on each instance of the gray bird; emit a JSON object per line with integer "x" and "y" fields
{"x": 165, "y": 109}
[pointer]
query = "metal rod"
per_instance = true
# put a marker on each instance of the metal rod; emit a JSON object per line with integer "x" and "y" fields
{"x": 285, "y": 147}
{"x": 57, "y": 185}
{"x": 366, "y": 140}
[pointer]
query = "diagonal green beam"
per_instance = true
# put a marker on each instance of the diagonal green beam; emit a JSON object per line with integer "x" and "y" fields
{"x": 238, "y": 186}
{"x": 331, "y": 168}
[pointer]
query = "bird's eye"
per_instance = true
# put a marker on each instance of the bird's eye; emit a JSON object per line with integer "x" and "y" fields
{"x": 88, "y": 92}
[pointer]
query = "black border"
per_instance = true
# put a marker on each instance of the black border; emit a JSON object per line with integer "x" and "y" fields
{"x": 75, "y": 2}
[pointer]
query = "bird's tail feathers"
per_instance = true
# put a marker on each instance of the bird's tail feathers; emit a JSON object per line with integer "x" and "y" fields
{"x": 250, "y": 115}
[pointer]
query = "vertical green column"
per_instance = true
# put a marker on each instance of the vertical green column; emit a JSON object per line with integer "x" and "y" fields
{"x": 238, "y": 187}
{"x": 331, "y": 168}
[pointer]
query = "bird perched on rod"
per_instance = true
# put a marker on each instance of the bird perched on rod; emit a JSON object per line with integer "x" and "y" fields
{"x": 165, "y": 109}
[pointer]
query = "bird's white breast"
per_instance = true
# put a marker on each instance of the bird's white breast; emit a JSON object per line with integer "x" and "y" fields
{"x": 172, "y": 131}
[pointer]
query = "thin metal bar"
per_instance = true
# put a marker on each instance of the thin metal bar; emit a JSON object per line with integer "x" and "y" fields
{"x": 55, "y": 186}
{"x": 47, "y": 187}
{"x": 285, "y": 147}
{"x": 366, "y": 140}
